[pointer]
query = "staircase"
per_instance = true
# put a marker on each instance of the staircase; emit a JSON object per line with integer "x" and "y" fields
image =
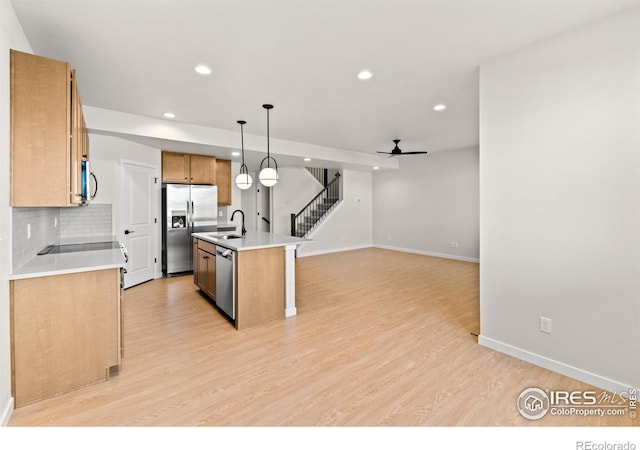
{"x": 319, "y": 174}
{"x": 309, "y": 217}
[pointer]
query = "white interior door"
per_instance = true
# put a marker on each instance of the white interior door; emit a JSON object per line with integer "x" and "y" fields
{"x": 264, "y": 208}
{"x": 137, "y": 222}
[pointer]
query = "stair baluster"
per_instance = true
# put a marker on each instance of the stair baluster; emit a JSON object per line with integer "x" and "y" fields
{"x": 310, "y": 216}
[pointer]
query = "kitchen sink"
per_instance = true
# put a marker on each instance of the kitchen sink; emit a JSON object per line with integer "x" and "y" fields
{"x": 230, "y": 236}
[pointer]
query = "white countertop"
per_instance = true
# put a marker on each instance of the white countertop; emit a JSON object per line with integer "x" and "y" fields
{"x": 63, "y": 263}
{"x": 251, "y": 241}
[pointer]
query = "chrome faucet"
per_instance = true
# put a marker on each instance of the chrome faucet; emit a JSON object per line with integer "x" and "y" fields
{"x": 244, "y": 231}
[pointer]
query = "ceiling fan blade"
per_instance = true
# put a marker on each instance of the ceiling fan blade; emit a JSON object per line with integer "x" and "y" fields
{"x": 398, "y": 152}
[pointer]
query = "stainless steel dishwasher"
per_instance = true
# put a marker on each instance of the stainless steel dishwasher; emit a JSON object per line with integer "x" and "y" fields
{"x": 226, "y": 280}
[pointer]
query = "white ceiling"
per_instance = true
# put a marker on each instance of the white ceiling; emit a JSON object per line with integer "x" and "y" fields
{"x": 302, "y": 56}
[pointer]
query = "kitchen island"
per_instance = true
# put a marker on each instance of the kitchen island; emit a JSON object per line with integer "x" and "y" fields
{"x": 251, "y": 278}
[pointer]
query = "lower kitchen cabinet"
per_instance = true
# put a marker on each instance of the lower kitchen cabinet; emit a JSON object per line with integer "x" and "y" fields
{"x": 66, "y": 332}
{"x": 205, "y": 270}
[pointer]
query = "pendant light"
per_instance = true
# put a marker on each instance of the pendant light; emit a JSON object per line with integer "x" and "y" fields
{"x": 268, "y": 176}
{"x": 243, "y": 180}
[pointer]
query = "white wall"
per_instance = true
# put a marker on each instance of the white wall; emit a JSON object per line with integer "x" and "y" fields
{"x": 560, "y": 202}
{"x": 429, "y": 205}
{"x": 107, "y": 154}
{"x": 350, "y": 224}
{"x": 11, "y": 36}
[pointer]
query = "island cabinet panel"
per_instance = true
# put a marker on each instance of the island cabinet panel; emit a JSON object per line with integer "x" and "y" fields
{"x": 260, "y": 291}
{"x": 65, "y": 332}
{"x": 195, "y": 261}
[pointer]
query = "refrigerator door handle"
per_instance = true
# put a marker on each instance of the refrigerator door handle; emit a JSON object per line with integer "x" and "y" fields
{"x": 188, "y": 218}
{"x": 193, "y": 226}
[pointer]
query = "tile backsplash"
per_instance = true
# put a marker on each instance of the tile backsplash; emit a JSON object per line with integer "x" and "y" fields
{"x": 49, "y": 225}
{"x": 45, "y": 230}
{"x": 86, "y": 221}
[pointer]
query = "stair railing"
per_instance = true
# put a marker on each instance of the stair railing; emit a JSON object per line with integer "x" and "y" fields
{"x": 314, "y": 211}
{"x": 320, "y": 174}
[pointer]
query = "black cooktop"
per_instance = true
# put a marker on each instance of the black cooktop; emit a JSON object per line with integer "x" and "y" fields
{"x": 70, "y": 248}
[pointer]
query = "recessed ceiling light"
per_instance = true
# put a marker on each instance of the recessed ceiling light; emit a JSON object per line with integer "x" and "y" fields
{"x": 376, "y": 167}
{"x": 169, "y": 115}
{"x": 235, "y": 153}
{"x": 307, "y": 159}
{"x": 365, "y": 74}
{"x": 202, "y": 69}
{"x": 440, "y": 107}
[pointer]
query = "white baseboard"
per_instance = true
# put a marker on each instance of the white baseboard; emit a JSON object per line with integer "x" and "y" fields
{"x": 422, "y": 252}
{"x": 333, "y": 250}
{"x": 555, "y": 366}
{"x": 5, "y": 412}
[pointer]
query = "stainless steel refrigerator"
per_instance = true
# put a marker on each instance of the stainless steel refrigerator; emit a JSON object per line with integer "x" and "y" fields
{"x": 186, "y": 209}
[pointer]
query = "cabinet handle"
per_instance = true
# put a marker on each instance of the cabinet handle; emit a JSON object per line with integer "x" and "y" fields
{"x": 205, "y": 257}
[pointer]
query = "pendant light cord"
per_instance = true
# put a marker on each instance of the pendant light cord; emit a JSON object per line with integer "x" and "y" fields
{"x": 243, "y": 166}
{"x": 268, "y": 153}
{"x": 268, "y": 107}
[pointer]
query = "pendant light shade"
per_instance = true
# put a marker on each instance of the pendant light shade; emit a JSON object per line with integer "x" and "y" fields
{"x": 268, "y": 175}
{"x": 243, "y": 180}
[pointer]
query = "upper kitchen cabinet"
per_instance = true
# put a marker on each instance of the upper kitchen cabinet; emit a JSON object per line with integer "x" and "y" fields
{"x": 223, "y": 181}
{"x": 49, "y": 139}
{"x": 187, "y": 168}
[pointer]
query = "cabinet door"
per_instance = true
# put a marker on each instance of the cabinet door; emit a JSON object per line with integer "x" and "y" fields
{"x": 41, "y": 125}
{"x": 202, "y": 169}
{"x": 207, "y": 273}
{"x": 77, "y": 142}
{"x": 175, "y": 168}
{"x": 68, "y": 341}
{"x": 223, "y": 181}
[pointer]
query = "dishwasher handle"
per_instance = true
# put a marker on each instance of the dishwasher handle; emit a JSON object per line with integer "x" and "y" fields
{"x": 225, "y": 254}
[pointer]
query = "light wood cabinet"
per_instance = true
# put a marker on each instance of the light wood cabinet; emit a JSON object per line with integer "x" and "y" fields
{"x": 223, "y": 181}
{"x": 65, "y": 332}
{"x": 260, "y": 277}
{"x": 260, "y": 290}
{"x": 202, "y": 169}
{"x": 205, "y": 270}
{"x": 187, "y": 168}
{"x": 49, "y": 138}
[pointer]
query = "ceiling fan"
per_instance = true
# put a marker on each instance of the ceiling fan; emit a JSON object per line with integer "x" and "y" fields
{"x": 397, "y": 152}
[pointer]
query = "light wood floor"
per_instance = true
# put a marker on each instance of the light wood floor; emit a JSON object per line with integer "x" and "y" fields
{"x": 381, "y": 338}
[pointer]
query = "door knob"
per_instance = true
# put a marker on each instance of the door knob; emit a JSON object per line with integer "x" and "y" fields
{"x": 127, "y": 231}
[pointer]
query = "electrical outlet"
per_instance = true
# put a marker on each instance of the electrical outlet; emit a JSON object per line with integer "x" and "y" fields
{"x": 389, "y": 236}
{"x": 453, "y": 244}
{"x": 55, "y": 222}
{"x": 28, "y": 231}
{"x": 545, "y": 325}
